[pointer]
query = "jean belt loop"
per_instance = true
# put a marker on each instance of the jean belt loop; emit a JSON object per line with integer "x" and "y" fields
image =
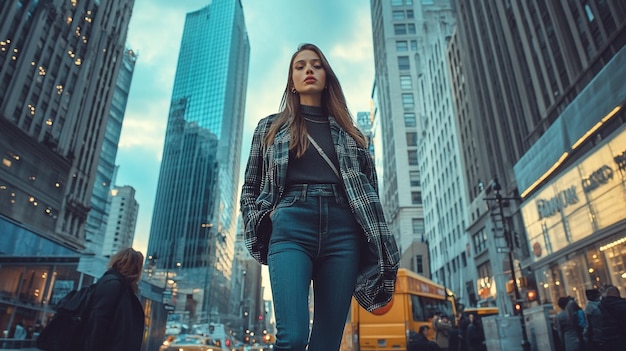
{"x": 336, "y": 193}
{"x": 304, "y": 190}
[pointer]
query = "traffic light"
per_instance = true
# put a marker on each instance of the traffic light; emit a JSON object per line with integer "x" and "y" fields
{"x": 532, "y": 295}
{"x": 518, "y": 308}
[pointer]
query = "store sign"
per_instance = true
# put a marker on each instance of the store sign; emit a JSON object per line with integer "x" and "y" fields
{"x": 620, "y": 160}
{"x": 550, "y": 207}
{"x": 599, "y": 177}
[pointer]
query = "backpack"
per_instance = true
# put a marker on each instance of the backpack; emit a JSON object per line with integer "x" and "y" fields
{"x": 65, "y": 330}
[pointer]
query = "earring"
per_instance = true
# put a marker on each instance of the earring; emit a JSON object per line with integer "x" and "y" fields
{"x": 293, "y": 90}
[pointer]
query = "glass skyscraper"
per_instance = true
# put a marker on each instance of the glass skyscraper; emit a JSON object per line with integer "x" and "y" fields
{"x": 194, "y": 219}
{"x": 105, "y": 175}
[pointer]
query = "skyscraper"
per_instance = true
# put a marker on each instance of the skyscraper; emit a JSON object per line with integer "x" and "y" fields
{"x": 539, "y": 84}
{"x": 53, "y": 111}
{"x": 415, "y": 117}
{"x": 105, "y": 175}
{"x": 194, "y": 219}
{"x": 59, "y": 61}
{"x": 121, "y": 221}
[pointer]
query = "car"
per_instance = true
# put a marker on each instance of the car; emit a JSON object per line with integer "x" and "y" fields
{"x": 190, "y": 343}
{"x": 260, "y": 347}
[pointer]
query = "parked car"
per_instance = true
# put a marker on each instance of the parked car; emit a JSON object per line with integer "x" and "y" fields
{"x": 190, "y": 343}
{"x": 259, "y": 347}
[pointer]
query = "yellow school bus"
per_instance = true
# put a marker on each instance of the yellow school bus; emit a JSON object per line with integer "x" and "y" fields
{"x": 416, "y": 299}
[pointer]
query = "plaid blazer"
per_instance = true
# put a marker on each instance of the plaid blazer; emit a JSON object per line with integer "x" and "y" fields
{"x": 264, "y": 184}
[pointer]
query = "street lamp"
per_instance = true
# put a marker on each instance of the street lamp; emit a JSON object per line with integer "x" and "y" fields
{"x": 509, "y": 240}
{"x": 242, "y": 303}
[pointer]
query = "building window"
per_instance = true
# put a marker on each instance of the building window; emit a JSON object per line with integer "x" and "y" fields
{"x": 402, "y": 45}
{"x": 413, "y": 45}
{"x": 399, "y": 29}
{"x": 403, "y": 63}
{"x": 407, "y": 101}
{"x": 412, "y": 157}
{"x": 409, "y": 13}
{"x": 414, "y": 178}
{"x": 398, "y": 15}
{"x": 480, "y": 241}
{"x": 411, "y": 28}
{"x": 409, "y": 120}
{"x": 418, "y": 226}
{"x": 419, "y": 264}
{"x": 396, "y": 2}
{"x": 411, "y": 139}
{"x": 416, "y": 197}
{"x": 405, "y": 82}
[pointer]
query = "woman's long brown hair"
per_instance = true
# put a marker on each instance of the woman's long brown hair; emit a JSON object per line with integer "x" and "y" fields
{"x": 128, "y": 262}
{"x": 333, "y": 103}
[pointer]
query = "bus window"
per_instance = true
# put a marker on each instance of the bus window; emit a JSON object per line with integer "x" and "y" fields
{"x": 432, "y": 306}
{"x": 416, "y": 308}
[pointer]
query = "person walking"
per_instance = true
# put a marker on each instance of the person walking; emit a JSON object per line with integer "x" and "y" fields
{"x": 311, "y": 210}
{"x": 442, "y": 328}
{"x": 116, "y": 318}
{"x": 419, "y": 341}
{"x": 475, "y": 335}
{"x": 613, "y": 311}
{"x": 594, "y": 330}
{"x": 568, "y": 327}
{"x": 19, "y": 334}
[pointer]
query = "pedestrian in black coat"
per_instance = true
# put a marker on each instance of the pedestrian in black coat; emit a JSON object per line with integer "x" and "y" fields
{"x": 419, "y": 341}
{"x": 116, "y": 317}
{"x": 613, "y": 310}
{"x": 475, "y": 335}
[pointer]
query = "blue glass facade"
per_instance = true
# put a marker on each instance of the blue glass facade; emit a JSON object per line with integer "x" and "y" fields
{"x": 194, "y": 219}
{"x": 97, "y": 218}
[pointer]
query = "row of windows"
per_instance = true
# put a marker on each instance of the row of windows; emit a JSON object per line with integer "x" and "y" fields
{"x": 404, "y": 28}
{"x": 399, "y": 15}
{"x": 401, "y": 2}
{"x": 403, "y": 45}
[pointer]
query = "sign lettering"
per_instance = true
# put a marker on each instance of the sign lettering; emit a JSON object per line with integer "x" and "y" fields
{"x": 620, "y": 160}
{"x": 547, "y": 208}
{"x": 600, "y": 177}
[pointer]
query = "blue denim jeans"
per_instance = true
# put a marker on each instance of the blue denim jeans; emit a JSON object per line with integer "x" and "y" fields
{"x": 314, "y": 238}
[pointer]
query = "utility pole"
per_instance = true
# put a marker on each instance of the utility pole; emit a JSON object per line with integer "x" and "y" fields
{"x": 509, "y": 241}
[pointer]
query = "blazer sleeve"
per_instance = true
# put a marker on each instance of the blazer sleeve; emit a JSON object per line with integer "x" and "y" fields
{"x": 368, "y": 168}
{"x": 253, "y": 177}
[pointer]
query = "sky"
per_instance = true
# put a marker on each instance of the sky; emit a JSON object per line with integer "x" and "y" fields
{"x": 342, "y": 30}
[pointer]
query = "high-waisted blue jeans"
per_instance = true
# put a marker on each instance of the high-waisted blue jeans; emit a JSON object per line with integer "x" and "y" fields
{"x": 314, "y": 237}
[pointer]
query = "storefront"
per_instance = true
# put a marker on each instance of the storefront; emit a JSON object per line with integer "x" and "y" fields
{"x": 576, "y": 224}
{"x": 35, "y": 272}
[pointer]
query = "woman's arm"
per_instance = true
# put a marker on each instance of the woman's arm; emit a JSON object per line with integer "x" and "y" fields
{"x": 254, "y": 171}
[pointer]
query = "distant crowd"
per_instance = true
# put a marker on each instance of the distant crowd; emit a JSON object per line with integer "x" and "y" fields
{"x": 601, "y": 326}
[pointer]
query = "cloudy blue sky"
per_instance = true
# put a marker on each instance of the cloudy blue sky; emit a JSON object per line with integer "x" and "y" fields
{"x": 342, "y": 29}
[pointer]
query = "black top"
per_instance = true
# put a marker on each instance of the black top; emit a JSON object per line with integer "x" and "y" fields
{"x": 311, "y": 168}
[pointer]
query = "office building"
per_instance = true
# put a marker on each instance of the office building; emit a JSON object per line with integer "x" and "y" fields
{"x": 194, "y": 220}
{"x": 528, "y": 69}
{"x": 106, "y": 171}
{"x": 59, "y": 63}
{"x": 122, "y": 220}
{"x": 415, "y": 129}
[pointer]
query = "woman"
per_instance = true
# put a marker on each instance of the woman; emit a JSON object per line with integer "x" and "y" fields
{"x": 311, "y": 209}
{"x": 568, "y": 324}
{"x": 116, "y": 318}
